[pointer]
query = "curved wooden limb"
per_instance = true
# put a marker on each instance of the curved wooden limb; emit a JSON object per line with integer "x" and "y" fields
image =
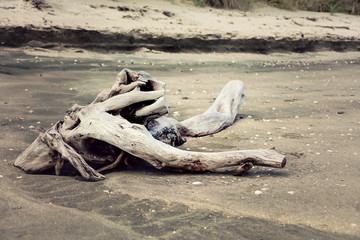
{"x": 127, "y": 99}
{"x": 154, "y": 110}
{"x": 122, "y": 84}
{"x": 137, "y": 141}
{"x": 127, "y": 81}
{"x": 55, "y": 143}
{"x": 117, "y": 162}
{"x": 221, "y": 114}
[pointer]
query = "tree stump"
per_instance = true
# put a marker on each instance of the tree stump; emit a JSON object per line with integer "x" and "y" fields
{"x": 127, "y": 121}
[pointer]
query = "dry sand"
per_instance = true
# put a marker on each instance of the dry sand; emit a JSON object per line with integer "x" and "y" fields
{"x": 181, "y": 18}
{"x": 306, "y": 105}
{"x": 172, "y": 26}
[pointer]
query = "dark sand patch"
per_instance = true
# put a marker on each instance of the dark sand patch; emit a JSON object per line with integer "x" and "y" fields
{"x": 141, "y": 217}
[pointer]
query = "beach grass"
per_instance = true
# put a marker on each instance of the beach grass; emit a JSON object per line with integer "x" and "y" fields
{"x": 332, "y": 6}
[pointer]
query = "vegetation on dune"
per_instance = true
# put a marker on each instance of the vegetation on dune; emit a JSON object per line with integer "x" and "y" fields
{"x": 332, "y": 6}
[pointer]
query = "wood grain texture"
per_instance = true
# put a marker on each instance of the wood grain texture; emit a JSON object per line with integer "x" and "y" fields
{"x": 127, "y": 121}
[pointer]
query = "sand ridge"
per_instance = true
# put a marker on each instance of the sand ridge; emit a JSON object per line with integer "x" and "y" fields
{"x": 173, "y": 26}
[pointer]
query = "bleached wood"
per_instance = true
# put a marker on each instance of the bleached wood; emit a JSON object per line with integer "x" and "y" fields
{"x": 221, "y": 114}
{"x": 137, "y": 141}
{"x": 127, "y": 99}
{"x": 55, "y": 142}
{"x": 38, "y": 157}
{"x": 111, "y": 130}
{"x": 119, "y": 159}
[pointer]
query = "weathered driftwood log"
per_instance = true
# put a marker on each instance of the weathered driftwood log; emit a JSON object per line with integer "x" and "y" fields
{"x": 127, "y": 122}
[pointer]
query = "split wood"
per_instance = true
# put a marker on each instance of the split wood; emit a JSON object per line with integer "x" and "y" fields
{"x": 127, "y": 122}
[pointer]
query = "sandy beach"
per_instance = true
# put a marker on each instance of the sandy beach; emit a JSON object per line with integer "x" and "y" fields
{"x": 305, "y": 104}
{"x": 172, "y": 26}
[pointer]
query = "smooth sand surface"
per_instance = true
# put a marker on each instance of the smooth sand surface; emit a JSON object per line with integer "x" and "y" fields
{"x": 306, "y": 105}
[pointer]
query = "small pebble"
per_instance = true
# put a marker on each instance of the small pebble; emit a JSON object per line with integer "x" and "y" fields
{"x": 197, "y": 183}
{"x": 258, "y": 192}
{"x": 291, "y": 192}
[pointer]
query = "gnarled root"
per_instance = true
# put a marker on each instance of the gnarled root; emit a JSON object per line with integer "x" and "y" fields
{"x": 111, "y": 130}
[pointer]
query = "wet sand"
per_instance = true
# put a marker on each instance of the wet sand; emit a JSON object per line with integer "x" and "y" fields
{"x": 306, "y": 105}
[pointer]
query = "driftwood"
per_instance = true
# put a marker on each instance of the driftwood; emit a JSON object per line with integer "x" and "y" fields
{"x": 127, "y": 122}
